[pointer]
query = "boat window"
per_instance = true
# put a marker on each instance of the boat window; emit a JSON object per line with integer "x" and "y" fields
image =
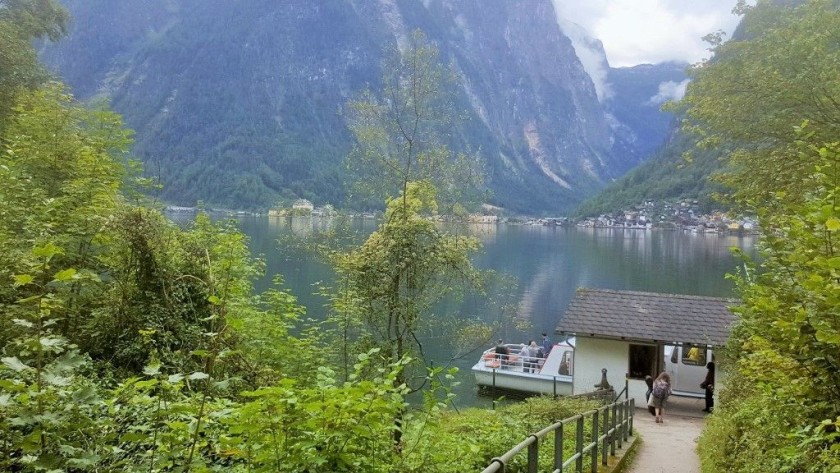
{"x": 694, "y": 355}
{"x": 642, "y": 361}
{"x": 566, "y": 364}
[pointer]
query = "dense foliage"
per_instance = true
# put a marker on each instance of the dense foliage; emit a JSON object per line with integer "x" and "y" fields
{"x": 772, "y": 99}
{"x": 21, "y": 22}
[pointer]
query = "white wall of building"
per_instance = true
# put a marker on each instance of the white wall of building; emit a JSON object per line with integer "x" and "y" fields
{"x": 592, "y": 354}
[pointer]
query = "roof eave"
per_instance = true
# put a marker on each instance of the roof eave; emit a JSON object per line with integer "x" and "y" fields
{"x": 638, "y": 339}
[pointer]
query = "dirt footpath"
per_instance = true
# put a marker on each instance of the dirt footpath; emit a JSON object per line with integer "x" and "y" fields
{"x": 670, "y": 447}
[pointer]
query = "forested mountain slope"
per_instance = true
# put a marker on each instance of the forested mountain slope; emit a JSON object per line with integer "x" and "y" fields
{"x": 666, "y": 176}
{"x": 243, "y": 104}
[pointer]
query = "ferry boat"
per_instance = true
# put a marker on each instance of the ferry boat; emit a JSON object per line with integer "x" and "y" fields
{"x": 550, "y": 375}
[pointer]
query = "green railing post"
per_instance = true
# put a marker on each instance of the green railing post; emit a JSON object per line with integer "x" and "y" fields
{"x": 579, "y": 446}
{"x": 595, "y": 442}
{"x": 626, "y": 386}
{"x": 534, "y": 455}
{"x": 558, "y": 448}
{"x": 613, "y": 429}
{"x": 494, "y": 388}
{"x": 626, "y": 406}
{"x": 632, "y": 414}
{"x": 620, "y": 431}
{"x": 605, "y": 450}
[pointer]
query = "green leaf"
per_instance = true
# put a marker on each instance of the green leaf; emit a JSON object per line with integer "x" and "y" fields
{"x": 132, "y": 437}
{"x": 176, "y": 378}
{"x": 23, "y": 323}
{"x": 15, "y": 364}
{"x": 46, "y": 251}
{"x": 51, "y": 342}
{"x": 23, "y": 279}
{"x": 12, "y": 385}
{"x": 66, "y": 275}
{"x": 198, "y": 375}
{"x": 147, "y": 383}
{"x": 56, "y": 380}
{"x": 86, "y": 395}
{"x": 224, "y": 384}
{"x": 70, "y": 361}
{"x": 828, "y": 336}
{"x": 214, "y": 300}
{"x": 152, "y": 369}
{"x": 832, "y": 224}
{"x": 84, "y": 462}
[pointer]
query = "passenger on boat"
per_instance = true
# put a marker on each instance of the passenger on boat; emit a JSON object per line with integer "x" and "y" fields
{"x": 533, "y": 353}
{"x": 546, "y": 345}
{"x": 502, "y": 353}
{"x": 525, "y": 357}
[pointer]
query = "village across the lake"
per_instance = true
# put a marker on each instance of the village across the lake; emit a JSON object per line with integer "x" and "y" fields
{"x": 683, "y": 215}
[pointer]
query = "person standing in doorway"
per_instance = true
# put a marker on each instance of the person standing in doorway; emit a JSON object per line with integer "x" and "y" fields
{"x": 708, "y": 385}
{"x": 661, "y": 392}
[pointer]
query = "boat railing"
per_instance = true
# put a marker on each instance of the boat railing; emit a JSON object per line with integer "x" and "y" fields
{"x": 606, "y": 429}
{"x": 513, "y": 360}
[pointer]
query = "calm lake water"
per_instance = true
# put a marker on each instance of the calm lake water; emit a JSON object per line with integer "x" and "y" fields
{"x": 549, "y": 264}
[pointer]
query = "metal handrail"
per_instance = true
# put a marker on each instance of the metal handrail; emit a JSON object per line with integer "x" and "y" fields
{"x": 611, "y": 425}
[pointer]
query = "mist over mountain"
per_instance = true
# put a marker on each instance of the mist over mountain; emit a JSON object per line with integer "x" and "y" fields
{"x": 241, "y": 104}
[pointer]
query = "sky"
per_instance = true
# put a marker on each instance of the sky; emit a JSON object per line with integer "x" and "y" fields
{"x": 650, "y": 31}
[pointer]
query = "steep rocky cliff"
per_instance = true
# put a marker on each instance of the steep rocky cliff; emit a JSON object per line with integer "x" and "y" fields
{"x": 240, "y": 103}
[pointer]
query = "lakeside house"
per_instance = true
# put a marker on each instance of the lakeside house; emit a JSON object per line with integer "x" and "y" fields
{"x": 633, "y": 334}
{"x": 303, "y": 205}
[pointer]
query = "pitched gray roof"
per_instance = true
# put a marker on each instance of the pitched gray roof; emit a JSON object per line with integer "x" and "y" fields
{"x": 648, "y": 316}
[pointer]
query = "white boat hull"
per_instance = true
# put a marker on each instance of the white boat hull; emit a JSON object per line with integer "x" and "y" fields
{"x": 527, "y": 382}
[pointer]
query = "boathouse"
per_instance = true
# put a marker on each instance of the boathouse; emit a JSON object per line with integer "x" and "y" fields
{"x": 634, "y": 334}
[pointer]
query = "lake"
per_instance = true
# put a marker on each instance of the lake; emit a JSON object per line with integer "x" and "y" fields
{"x": 549, "y": 263}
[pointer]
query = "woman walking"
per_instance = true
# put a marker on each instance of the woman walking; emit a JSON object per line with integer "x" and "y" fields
{"x": 660, "y": 393}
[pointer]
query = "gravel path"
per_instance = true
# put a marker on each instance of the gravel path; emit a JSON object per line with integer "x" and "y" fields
{"x": 670, "y": 446}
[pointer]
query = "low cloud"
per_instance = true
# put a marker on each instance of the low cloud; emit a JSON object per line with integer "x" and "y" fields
{"x": 590, "y": 53}
{"x": 669, "y": 91}
{"x": 650, "y": 31}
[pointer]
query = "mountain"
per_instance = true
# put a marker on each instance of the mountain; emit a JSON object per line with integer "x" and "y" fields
{"x": 638, "y": 92}
{"x": 665, "y": 175}
{"x": 241, "y": 104}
